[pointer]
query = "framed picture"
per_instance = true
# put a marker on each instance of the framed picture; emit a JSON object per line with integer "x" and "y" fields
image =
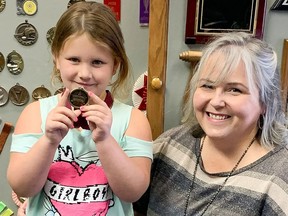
{"x": 280, "y": 5}
{"x": 206, "y": 18}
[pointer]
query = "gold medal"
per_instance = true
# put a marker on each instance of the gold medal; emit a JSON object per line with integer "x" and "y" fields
{"x": 2, "y": 62}
{"x": 41, "y": 92}
{"x": 18, "y": 95}
{"x": 78, "y": 97}
{"x": 26, "y": 34}
{"x": 15, "y": 63}
{"x": 30, "y": 7}
{"x": 2, "y": 5}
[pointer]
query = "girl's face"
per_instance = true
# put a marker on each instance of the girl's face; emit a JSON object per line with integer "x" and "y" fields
{"x": 84, "y": 63}
{"x": 230, "y": 109}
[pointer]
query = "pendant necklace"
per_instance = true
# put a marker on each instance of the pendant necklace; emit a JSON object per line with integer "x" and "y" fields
{"x": 198, "y": 156}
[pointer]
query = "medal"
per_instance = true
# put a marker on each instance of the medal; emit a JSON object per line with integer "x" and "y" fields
{"x": 18, "y": 95}
{"x": 59, "y": 91}
{"x": 14, "y": 63}
{"x": 2, "y": 5}
{"x": 40, "y": 92}
{"x": 30, "y": 7}
{"x": 3, "y": 96}
{"x": 78, "y": 97}
{"x": 26, "y": 34}
{"x": 73, "y": 2}
{"x": 50, "y": 35}
{"x": 2, "y": 62}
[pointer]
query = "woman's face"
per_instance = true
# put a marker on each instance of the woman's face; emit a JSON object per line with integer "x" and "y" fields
{"x": 84, "y": 63}
{"x": 230, "y": 109}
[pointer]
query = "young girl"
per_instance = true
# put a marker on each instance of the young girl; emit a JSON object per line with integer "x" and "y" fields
{"x": 93, "y": 159}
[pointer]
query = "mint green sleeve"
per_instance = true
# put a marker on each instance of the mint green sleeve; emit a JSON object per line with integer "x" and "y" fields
{"x": 134, "y": 147}
{"x": 23, "y": 142}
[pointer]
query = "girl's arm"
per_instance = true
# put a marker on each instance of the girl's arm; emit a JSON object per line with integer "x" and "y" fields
{"x": 27, "y": 172}
{"x": 128, "y": 177}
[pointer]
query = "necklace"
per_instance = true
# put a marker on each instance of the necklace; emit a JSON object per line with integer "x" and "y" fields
{"x": 198, "y": 156}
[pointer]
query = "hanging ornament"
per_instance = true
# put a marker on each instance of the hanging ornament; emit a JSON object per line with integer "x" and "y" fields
{"x": 139, "y": 94}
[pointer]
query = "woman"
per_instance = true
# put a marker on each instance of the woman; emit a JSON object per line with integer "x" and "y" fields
{"x": 229, "y": 157}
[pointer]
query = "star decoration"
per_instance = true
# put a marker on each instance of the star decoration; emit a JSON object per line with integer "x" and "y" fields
{"x": 142, "y": 92}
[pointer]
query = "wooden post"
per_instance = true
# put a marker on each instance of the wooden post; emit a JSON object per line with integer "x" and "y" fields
{"x": 284, "y": 74}
{"x": 157, "y": 60}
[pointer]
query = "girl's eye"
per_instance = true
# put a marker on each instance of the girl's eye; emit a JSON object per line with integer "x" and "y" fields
{"x": 97, "y": 62}
{"x": 74, "y": 59}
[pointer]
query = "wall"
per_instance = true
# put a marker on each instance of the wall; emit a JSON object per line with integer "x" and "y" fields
{"x": 38, "y": 62}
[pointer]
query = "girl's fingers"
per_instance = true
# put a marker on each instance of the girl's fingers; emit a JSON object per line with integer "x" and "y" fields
{"x": 64, "y": 98}
{"x": 95, "y": 99}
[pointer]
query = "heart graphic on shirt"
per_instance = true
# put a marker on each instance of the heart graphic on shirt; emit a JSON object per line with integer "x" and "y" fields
{"x": 74, "y": 190}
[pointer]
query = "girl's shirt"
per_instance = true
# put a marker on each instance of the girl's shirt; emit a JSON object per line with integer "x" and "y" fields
{"x": 76, "y": 183}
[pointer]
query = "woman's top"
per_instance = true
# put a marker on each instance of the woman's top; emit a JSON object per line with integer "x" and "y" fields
{"x": 76, "y": 183}
{"x": 260, "y": 188}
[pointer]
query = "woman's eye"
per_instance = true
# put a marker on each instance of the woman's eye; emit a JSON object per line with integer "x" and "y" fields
{"x": 236, "y": 90}
{"x": 207, "y": 86}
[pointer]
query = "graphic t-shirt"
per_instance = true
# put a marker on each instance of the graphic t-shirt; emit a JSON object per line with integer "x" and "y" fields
{"x": 76, "y": 183}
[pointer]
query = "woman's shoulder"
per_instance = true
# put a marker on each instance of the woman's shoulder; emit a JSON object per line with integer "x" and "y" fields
{"x": 179, "y": 132}
{"x": 180, "y": 137}
{"x": 276, "y": 160}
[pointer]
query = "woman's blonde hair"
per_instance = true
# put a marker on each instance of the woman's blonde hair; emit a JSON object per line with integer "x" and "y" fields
{"x": 260, "y": 62}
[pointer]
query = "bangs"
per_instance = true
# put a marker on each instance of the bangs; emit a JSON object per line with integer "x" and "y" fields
{"x": 223, "y": 62}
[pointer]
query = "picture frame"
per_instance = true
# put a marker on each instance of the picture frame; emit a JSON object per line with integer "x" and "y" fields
{"x": 280, "y": 5}
{"x": 207, "y": 18}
